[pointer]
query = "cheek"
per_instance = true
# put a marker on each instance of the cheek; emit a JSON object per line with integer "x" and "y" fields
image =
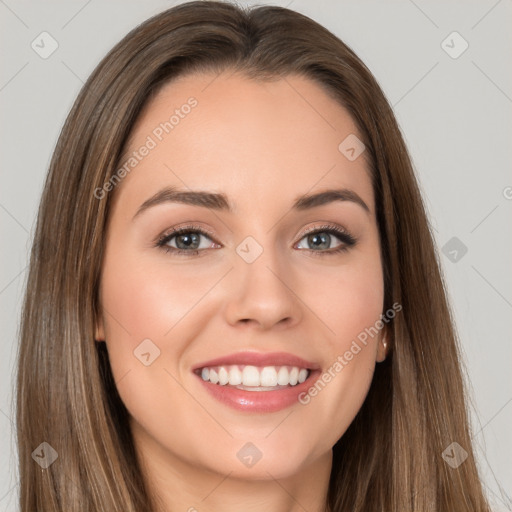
{"x": 348, "y": 300}
{"x": 143, "y": 299}
{"x": 350, "y": 304}
{"x": 336, "y": 397}
{"x": 146, "y": 305}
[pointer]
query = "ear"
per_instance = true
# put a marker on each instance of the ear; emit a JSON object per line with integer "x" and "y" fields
{"x": 382, "y": 347}
{"x": 99, "y": 330}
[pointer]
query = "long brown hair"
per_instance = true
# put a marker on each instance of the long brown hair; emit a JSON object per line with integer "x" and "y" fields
{"x": 390, "y": 458}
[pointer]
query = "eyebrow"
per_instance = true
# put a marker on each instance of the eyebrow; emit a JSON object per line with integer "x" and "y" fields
{"x": 220, "y": 202}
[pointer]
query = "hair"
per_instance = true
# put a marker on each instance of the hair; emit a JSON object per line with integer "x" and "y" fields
{"x": 390, "y": 458}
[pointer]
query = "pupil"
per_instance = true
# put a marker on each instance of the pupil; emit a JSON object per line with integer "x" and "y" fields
{"x": 320, "y": 240}
{"x": 187, "y": 240}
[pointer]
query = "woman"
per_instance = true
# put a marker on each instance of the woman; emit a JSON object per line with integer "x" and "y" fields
{"x": 234, "y": 300}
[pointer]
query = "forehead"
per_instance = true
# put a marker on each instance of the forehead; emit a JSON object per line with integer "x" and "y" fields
{"x": 256, "y": 141}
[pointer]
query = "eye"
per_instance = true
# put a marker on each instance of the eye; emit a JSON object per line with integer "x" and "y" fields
{"x": 186, "y": 240}
{"x": 321, "y": 240}
{"x": 191, "y": 240}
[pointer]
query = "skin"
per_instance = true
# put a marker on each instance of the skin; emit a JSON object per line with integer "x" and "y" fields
{"x": 263, "y": 145}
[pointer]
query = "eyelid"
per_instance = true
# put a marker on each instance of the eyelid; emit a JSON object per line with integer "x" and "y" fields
{"x": 324, "y": 227}
{"x": 176, "y": 230}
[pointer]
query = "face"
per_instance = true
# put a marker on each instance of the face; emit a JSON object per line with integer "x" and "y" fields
{"x": 268, "y": 282}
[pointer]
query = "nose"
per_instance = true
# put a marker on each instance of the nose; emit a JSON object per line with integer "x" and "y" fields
{"x": 262, "y": 294}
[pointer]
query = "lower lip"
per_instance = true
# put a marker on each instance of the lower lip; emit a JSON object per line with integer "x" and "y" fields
{"x": 259, "y": 401}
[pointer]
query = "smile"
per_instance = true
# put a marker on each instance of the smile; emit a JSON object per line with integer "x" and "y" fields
{"x": 254, "y": 378}
{"x": 257, "y": 382}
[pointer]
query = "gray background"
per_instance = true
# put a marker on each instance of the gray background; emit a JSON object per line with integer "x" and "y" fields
{"x": 455, "y": 114}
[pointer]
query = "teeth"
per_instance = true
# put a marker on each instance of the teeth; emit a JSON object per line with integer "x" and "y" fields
{"x": 303, "y": 375}
{"x": 283, "y": 376}
{"x": 223, "y": 376}
{"x": 235, "y": 376}
{"x": 251, "y": 376}
{"x": 268, "y": 376}
{"x": 255, "y": 377}
{"x": 214, "y": 377}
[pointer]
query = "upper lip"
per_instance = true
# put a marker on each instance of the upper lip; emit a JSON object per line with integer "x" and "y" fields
{"x": 259, "y": 359}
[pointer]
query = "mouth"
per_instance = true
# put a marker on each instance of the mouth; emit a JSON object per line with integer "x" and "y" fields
{"x": 255, "y": 382}
{"x": 254, "y": 378}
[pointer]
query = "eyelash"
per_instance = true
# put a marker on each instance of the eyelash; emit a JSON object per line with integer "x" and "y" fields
{"x": 348, "y": 241}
